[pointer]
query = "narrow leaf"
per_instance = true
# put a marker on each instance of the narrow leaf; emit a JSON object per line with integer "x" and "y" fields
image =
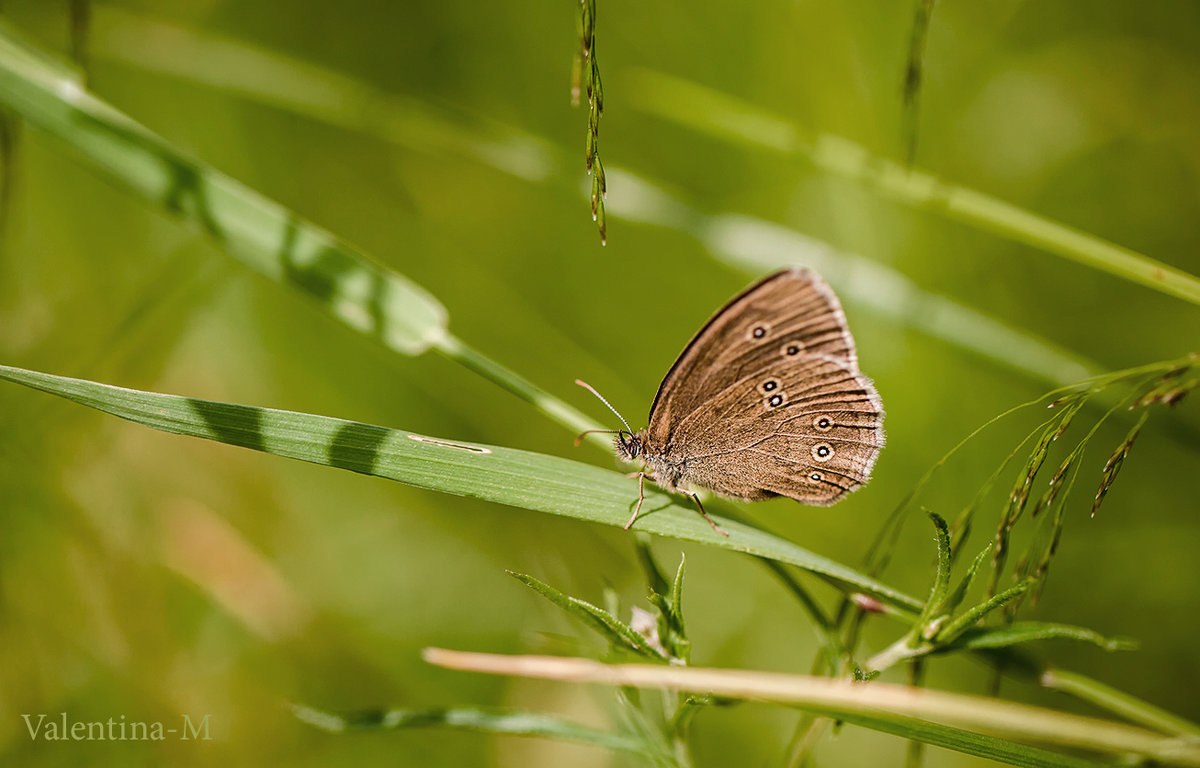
{"x": 261, "y": 233}
{"x": 960, "y": 592}
{"x": 952, "y": 630}
{"x": 959, "y": 740}
{"x": 677, "y": 597}
{"x": 1025, "y": 631}
{"x": 728, "y": 118}
{"x": 616, "y": 631}
{"x": 941, "y": 581}
{"x": 503, "y": 475}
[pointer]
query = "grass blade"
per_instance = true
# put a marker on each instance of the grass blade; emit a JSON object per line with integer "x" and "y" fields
{"x": 941, "y": 581}
{"x": 960, "y": 592}
{"x": 1118, "y": 702}
{"x": 972, "y": 617}
{"x": 618, "y": 632}
{"x": 502, "y": 475}
{"x": 895, "y": 704}
{"x": 259, "y": 232}
{"x": 959, "y": 740}
{"x": 508, "y": 722}
{"x": 1026, "y": 631}
{"x": 718, "y": 114}
{"x": 201, "y": 58}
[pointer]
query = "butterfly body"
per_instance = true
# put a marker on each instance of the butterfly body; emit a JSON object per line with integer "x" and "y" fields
{"x": 766, "y": 400}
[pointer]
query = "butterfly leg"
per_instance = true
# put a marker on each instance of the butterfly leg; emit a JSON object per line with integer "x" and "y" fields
{"x": 711, "y": 522}
{"x": 641, "y": 476}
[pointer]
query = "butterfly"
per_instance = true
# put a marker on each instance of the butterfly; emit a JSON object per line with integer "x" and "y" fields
{"x": 765, "y": 400}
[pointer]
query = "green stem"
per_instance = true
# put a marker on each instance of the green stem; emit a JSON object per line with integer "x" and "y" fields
{"x": 575, "y": 421}
{"x": 1118, "y": 702}
{"x": 718, "y": 114}
{"x": 926, "y": 192}
{"x": 977, "y": 714}
{"x": 898, "y": 651}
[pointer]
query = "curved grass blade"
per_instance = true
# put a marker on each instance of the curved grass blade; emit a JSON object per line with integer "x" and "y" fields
{"x": 616, "y": 631}
{"x": 1118, "y": 702}
{"x": 978, "y": 638}
{"x": 499, "y": 721}
{"x": 941, "y": 581}
{"x": 299, "y": 87}
{"x": 953, "y": 629}
{"x": 897, "y": 705}
{"x": 259, "y": 232}
{"x": 503, "y": 475}
{"x": 724, "y": 116}
{"x": 955, "y": 598}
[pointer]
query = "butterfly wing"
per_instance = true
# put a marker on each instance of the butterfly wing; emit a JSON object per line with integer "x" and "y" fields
{"x": 809, "y": 428}
{"x": 783, "y": 317}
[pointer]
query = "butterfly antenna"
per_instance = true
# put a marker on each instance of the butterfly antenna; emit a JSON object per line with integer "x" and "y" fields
{"x": 592, "y": 389}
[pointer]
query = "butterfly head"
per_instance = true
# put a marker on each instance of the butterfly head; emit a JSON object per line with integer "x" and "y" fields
{"x": 629, "y": 445}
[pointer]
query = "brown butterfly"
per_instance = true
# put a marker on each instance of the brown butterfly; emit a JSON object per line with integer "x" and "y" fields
{"x": 766, "y": 400}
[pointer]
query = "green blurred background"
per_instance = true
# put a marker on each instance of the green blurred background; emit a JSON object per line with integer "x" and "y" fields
{"x": 148, "y": 575}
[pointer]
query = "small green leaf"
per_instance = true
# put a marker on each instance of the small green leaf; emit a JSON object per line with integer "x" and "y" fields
{"x": 618, "y": 633}
{"x": 955, "y": 598}
{"x": 977, "y": 638}
{"x": 676, "y": 601}
{"x": 950, "y": 632}
{"x": 941, "y": 581}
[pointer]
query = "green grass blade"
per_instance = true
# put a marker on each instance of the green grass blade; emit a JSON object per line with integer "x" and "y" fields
{"x": 200, "y": 57}
{"x": 1118, "y": 702}
{"x": 1026, "y": 631}
{"x": 960, "y": 592}
{"x": 502, "y": 475}
{"x": 953, "y": 629}
{"x": 259, "y": 232}
{"x": 725, "y": 117}
{"x": 676, "y": 600}
{"x": 499, "y": 721}
{"x": 616, "y": 631}
{"x": 896, "y": 705}
{"x": 941, "y": 580}
{"x": 958, "y": 740}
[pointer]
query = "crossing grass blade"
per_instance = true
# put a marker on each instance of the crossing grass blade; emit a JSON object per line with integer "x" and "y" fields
{"x": 262, "y": 234}
{"x": 973, "y": 724}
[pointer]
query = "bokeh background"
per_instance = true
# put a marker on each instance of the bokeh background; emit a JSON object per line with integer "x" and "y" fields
{"x": 146, "y": 575}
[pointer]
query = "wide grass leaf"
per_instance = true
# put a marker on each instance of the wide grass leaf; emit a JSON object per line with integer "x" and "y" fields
{"x": 503, "y": 475}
